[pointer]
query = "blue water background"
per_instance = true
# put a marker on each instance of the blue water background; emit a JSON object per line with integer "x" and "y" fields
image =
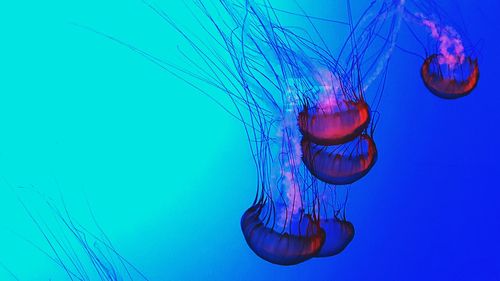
{"x": 168, "y": 173}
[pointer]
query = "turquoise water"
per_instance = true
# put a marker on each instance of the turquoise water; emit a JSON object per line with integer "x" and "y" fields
{"x": 168, "y": 173}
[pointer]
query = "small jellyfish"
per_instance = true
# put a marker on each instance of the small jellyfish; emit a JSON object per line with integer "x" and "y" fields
{"x": 450, "y": 68}
{"x": 338, "y": 234}
{"x": 291, "y": 245}
{"x": 450, "y": 82}
{"x": 340, "y": 164}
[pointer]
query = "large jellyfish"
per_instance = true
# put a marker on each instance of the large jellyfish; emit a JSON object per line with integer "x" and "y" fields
{"x": 337, "y": 116}
{"x": 340, "y": 164}
{"x": 301, "y": 241}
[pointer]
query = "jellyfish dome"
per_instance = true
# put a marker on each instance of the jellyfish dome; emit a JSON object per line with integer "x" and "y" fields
{"x": 338, "y": 234}
{"x": 335, "y": 113}
{"x": 450, "y": 81}
{"x": 340, "y": 164}
{"x": 295, "y": 242}
{"x": 449, "y": 70}
{"x": 336, "y": 124}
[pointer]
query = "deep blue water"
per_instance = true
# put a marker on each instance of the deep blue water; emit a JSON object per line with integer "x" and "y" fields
{"x": 168, "y": 173}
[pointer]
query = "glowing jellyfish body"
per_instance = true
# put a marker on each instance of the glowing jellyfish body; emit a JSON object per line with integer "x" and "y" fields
{"x": 337, "y": 124}
{"x": 448, "y": 73}
{"x": 450, "y": 82}
{"x": 338, "y": 235}
{"x": 288, "y": 246}
{"x": 340, "y": 164}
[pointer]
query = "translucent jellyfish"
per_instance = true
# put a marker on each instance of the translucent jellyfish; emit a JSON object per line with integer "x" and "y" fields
{"x": 302, "y": 241}
{"x": 450, "y": 69}
{"x": 340, "y": 164}
{"x": 282, "y": 225}
{"x": 450, "y": 82}
{"x": 338, "y": 234}
{"x": 337, "y": 117}
{"x": 329, "y": 127}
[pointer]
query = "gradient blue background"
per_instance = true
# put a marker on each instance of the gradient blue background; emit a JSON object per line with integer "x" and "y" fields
{"x": 168, "y": 173}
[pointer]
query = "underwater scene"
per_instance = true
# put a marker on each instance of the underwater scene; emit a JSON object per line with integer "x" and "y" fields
{"x": 249, "y": 140}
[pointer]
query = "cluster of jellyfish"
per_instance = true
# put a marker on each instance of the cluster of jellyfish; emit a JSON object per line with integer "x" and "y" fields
{"x": 310, "y": 105}
{"x": 318, "y": 138}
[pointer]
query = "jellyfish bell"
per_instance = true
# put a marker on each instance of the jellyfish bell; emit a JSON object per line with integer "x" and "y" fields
{"x": 295, "y": 242}
{"x": 340, "y": 164}
{"x": 450, "y": 81}
{"x": 338, "y": 124}
{"x": 335, "y": 113}
{"x": 338, "y": 234}
{"x": 448, "y": 70}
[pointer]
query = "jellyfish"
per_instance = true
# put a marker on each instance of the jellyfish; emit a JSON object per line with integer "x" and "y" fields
{"x": 450, "y": 69}
{"x": 450, "y": 81}
{"x": 338, "y": 115}
{"x": 449, "y": 73}
{"x": 302, "y": 242}
{"x": 282, "y": 225}
{"x": 340, "y": 164}
{"x": 338, "y": 234}
{"x": 339, "y": 112}
{"x": 330, "y": 127}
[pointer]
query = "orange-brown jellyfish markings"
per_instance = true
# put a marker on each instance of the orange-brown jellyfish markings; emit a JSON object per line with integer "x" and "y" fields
{"x": 338, "y": 234}
{"x": 340, "y": 164}
{"x": 450, "y": 82}
{"x": 448, "y": 72}
{"x": 288, "y": 246}
{"x": 341, "y": 124}
{"x": 337, "y": 115}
